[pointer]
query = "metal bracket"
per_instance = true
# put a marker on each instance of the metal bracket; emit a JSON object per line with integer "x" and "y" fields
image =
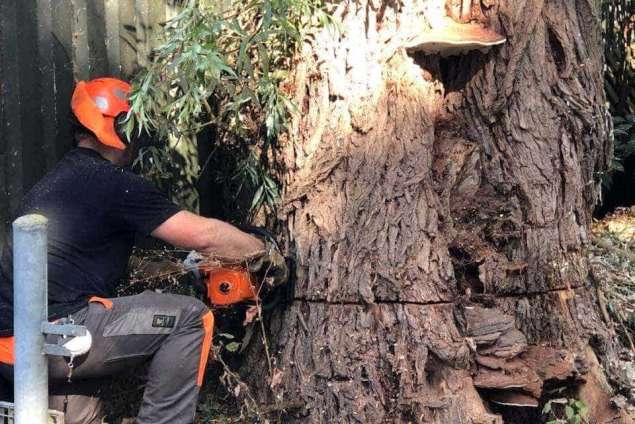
{"x": 63, "y": 329}
{"x": 55, "y": 350}
{"x": 69, "y": 330}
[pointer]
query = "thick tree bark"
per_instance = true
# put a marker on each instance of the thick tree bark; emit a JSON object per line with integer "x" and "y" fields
{"x": 438, "y": 209}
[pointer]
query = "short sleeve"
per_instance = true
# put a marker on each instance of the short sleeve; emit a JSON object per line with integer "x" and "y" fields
{"x": 138, "y": 205}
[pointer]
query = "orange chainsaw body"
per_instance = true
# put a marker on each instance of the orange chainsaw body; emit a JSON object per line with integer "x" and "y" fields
{"x": 226, "y": 286}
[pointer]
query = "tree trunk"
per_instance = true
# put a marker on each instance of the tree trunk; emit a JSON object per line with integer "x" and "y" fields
{"x": 438, "y": 209}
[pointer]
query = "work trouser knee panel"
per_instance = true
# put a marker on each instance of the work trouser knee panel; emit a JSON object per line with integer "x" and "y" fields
{"x": 191, "y": 308}
{"x": 149, "y": 313}
{"x": 143, "y": 321}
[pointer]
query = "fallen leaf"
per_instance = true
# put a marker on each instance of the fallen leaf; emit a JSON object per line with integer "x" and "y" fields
{"x": 251, "y": 314}
{"x": 226, "y": 335}
{"x": 232, "y": 347}
{"x": 276, "y": 378}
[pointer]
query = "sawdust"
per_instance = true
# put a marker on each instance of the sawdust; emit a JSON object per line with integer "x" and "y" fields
{"x": 620, "y": 225}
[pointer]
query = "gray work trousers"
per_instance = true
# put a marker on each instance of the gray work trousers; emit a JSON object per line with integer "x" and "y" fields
{"x": 172, "y": 332}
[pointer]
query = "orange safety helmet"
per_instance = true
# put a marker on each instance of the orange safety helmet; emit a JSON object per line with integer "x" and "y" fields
{"x": 98, "y": 104}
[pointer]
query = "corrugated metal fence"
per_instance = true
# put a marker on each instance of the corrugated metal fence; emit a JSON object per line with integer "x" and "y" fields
{"x": 45, "y": 46}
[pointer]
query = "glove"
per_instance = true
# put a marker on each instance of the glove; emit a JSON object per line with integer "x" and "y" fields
{"x": 194, "y": 275}
{"x": 271, "y": 265}
{"x": 191, "y": 264}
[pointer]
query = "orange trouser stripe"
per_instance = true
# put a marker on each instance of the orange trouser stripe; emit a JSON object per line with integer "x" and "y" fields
{"x": 106, "y": 302}
{"x": 208, "y": 327}
{"x": 6, "y": 350}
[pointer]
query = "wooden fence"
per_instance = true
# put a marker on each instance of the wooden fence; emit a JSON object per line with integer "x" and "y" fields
{"x": 45, "y": 47}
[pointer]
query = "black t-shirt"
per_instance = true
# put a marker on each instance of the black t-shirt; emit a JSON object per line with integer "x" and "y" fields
{"x": 94, "y": 209}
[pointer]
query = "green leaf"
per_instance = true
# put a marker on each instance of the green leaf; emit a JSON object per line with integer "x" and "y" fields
{"x": 624, "y": 127}
{"x": 257, "y": 200}
{"x": 616, "y": 165}
{"x": 271, "y": 184}
{"x": 547, "y": 408}
{"x": 568, "y": 412}
{"x": 619, "y": 131}
{"x": 226, "y": 335}
{"x": 233, "y": 346}
{"x": 267, "y": 17}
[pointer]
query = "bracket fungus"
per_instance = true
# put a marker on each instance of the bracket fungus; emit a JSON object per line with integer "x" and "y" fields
{"x": 453, "y": 38}
{"x": 515, "y": 399}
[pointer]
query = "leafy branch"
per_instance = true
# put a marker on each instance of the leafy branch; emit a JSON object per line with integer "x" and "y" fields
{"x": 618, "y": 37}
{"x": 221, "y": 66}
{"x": 623, "y": 145}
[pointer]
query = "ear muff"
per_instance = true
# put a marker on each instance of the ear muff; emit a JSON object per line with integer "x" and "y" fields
{"x": 138, "y": 138}
{"x": 120, "y": 128}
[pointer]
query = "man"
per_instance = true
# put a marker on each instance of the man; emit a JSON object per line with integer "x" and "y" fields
{"x": 95, "y": 207}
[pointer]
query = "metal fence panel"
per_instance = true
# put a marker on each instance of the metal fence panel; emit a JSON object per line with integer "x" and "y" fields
{"x": 7, "y": 415}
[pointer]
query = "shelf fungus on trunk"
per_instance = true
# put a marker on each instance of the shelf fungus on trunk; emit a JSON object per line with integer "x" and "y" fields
{"x": 510, "y": 371}
{"x": 451, "y": 38}
{"x": 514, "y": 399}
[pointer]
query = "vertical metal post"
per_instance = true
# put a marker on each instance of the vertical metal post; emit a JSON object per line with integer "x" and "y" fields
{"x": 30, "y": 310}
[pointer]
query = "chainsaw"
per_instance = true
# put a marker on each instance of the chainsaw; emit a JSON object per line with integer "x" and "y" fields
{"x": 226, "y": 282}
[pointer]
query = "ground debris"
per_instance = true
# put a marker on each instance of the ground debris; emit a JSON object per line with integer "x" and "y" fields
{"x": 612, "y": 267}
{"x": 612, "y": 260}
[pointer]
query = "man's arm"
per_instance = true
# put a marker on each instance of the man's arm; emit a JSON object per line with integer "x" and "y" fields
{"x": 191, "y": 231}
